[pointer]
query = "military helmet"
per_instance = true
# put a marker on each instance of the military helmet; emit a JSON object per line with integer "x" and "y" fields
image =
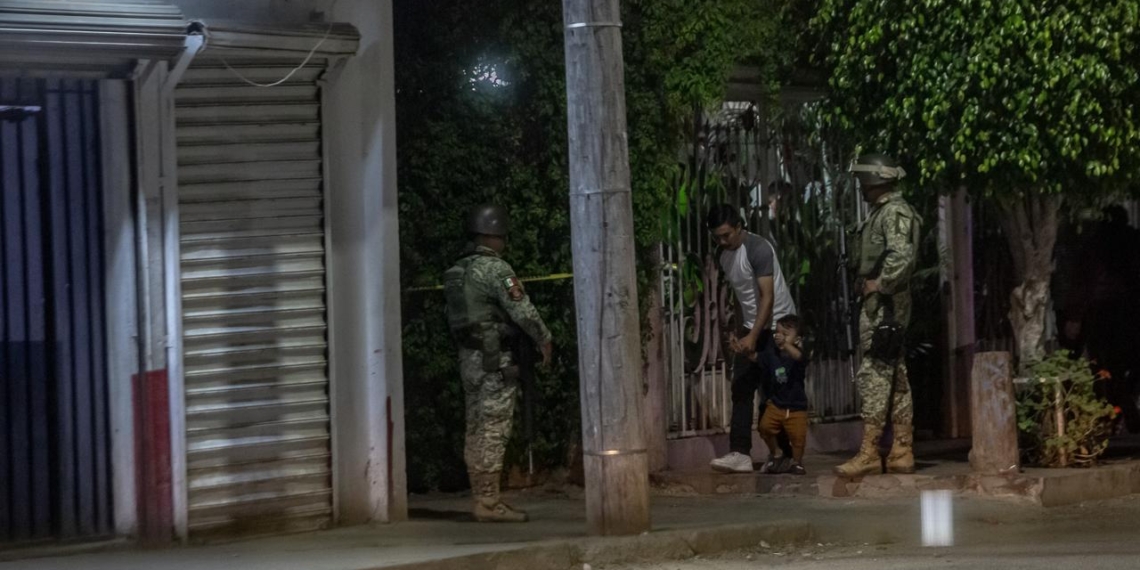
{"x": 488, "y": 220}
{"x": 876, "y": 170}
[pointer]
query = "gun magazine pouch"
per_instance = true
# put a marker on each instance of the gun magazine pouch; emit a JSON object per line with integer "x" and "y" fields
{"x": 887, "y": 342}
{"x": 888, "y": 339}
{"x": 511, "y": 373}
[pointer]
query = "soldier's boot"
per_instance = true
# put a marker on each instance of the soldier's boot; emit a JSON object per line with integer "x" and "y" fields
{"x": 489, "y": 506}
{"x": 901, "y": 458}
{"x": 867, "y": 461}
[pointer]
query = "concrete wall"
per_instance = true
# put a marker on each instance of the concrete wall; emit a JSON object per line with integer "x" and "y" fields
{"x": 364, "y": 288}
{"x": 369, "y": 395}
{"x": 122, "y": 296}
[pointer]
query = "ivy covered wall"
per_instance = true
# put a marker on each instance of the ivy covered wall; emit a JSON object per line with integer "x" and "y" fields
{"x": 481, "y": 117}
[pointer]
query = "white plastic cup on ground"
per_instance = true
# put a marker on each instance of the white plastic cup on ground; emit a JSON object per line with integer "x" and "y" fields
{"x": 937, "y": 518}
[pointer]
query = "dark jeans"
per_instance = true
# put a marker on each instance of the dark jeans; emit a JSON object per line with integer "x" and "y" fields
{"x": 747, "y": 378}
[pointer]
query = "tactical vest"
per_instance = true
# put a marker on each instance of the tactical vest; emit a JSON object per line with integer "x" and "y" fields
{"x": 475, "y": 320}
{"x": 871, "y": 253}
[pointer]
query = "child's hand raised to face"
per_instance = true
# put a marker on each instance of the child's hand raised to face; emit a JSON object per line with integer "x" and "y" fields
{"x": 785, "y": 336}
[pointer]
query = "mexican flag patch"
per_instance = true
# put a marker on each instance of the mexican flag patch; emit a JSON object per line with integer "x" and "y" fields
{"x": 514, "y": 288}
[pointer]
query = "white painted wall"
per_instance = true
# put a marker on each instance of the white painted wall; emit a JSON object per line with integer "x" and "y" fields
{"x": 122, "y": 300}
{"x": 364, "y": 284}
{"x": 365, "y": 238}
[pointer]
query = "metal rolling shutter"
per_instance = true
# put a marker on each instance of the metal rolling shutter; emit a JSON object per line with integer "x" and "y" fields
{"x": 87, "y": 37}
{"x": 253, "y": 299}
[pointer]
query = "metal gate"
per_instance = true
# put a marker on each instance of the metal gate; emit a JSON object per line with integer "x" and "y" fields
{"x": 253, "y": 298}
{"x": 805, "y": 207}
{"x": 814, "y": 212}
{"x": 55, "y": 472}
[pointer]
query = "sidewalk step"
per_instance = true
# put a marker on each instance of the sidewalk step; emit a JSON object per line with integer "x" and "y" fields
{"x": 1045, "y": 487}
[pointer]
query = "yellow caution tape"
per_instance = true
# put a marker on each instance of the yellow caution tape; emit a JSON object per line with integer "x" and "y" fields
{"x": 552, "y": 277}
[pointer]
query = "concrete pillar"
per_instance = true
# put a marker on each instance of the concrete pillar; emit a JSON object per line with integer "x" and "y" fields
{"x": 364, "y": 280}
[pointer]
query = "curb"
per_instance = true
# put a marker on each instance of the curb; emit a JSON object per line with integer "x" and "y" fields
{"x": 571, "y": 554}
{"x": 1043, "y": 487}
{"x": 1094, "y": 484}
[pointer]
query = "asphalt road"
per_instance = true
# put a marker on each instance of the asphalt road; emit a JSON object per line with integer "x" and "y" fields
{"x": 1124, "y": 554}
{"x": 1099, "y": 535}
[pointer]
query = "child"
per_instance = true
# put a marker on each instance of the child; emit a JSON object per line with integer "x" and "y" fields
{"x": 787, "y": 398}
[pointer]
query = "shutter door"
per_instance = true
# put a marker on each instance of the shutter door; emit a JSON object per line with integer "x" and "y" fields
{"x": 253, "y": 300}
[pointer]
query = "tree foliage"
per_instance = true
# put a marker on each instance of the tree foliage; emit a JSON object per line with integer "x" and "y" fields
{"x": 481, "y": 117}
{"x": 1029, "y": 102}
{"x": 1004, "y": 96}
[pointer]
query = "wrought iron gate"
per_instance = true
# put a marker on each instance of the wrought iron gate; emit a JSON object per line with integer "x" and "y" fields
{"x": 805, "y": 209}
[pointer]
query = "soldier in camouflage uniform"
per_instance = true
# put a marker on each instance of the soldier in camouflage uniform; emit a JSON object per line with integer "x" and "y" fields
{"x": 888, "y": 250}
{"x": 486, "y": 309}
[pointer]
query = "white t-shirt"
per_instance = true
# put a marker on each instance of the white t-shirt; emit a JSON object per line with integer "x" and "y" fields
{"x": 754, "y": 259}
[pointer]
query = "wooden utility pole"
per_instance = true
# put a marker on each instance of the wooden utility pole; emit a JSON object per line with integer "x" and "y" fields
{"x": 605, "y": 288}
{"x": 957, "y": 234}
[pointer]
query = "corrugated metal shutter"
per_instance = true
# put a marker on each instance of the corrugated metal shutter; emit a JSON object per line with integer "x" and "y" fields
{"x": 253, "y": 299}
{"x": 262, "y": 40}
{"x": 87, "y": 37}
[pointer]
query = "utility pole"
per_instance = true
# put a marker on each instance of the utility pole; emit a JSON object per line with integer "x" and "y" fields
{"x": 605, "y": 287}
{"x": 956, "y": 227}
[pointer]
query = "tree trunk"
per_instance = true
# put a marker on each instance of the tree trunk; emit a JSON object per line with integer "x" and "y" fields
{"x": 1031, "y": 224}
{"x": 605, "y": 288}
{"x": 994, "y": 415}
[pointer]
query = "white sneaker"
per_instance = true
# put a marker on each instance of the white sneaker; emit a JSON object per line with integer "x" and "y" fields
{"x": 734, "y": 462}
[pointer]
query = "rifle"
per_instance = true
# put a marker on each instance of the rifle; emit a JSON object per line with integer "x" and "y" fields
{"x": 849, "y": 307}
{"x": 526, "y": 356}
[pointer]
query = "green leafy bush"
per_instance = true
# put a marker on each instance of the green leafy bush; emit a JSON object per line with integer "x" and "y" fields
{"x": 1061, "y": 420}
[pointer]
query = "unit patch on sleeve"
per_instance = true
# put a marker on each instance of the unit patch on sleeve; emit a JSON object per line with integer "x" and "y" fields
{"x": 514, "y": 288}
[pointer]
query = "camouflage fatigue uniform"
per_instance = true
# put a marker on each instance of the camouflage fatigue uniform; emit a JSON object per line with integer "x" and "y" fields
{"x": 485, "y": 304}
{"x": 895, "y": 227}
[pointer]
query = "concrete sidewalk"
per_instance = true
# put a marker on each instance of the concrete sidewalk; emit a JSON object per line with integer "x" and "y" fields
{"x": 441, "y": 534}
{"x": 440, "y": 529}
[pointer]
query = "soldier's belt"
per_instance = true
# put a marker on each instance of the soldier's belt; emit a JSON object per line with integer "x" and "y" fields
{"x": 861, "y": 280}
{"x": 469, "y": 342}
{"x": 475, "y": 334}
{"x": 471, "y": 337}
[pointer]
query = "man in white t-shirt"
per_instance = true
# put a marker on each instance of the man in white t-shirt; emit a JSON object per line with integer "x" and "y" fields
{"x": 750, "y": 265}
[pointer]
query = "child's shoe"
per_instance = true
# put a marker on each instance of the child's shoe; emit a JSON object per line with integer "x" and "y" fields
{"x": 772, "y": 466}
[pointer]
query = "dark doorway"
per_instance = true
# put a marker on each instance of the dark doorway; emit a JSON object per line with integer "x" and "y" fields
{"x": 55, "y": 472}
